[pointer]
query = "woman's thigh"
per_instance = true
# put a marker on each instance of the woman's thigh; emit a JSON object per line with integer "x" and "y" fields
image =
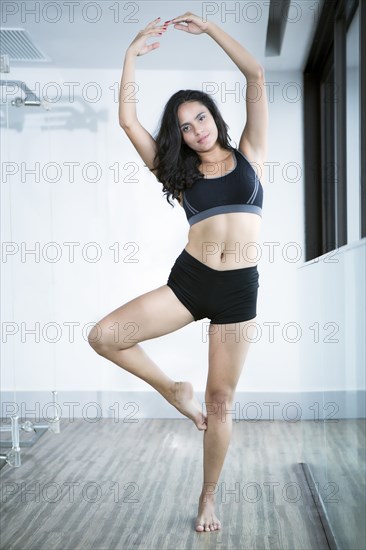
{"x": 148, "y": 316}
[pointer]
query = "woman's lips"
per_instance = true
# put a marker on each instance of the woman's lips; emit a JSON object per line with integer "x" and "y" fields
{"x": 203, "y": 139}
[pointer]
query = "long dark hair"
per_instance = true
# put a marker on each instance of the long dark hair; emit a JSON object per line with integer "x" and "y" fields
{"x": 175, "y": 163}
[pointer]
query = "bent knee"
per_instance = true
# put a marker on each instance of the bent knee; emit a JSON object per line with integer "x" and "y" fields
{"x": 95, "y": 337}
{"x": 103, "y": 339}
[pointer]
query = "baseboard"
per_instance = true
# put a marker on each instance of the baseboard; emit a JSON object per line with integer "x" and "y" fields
{"x": 129, "y": 406}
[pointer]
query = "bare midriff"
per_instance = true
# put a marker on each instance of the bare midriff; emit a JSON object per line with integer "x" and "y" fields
{"x": 226, "y": 241}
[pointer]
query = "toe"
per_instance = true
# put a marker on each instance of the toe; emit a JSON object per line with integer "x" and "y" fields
{"x": 199, "y": 527}
{"x": 202, "y": 422}
{"x": 207, "y": 527}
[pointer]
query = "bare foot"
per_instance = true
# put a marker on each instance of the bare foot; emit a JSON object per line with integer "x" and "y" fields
{"x": 183, "y": 398}
{"x": 206, "y": 518}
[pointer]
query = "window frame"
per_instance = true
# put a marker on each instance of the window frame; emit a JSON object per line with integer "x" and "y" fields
{"x": 325, "y": 145}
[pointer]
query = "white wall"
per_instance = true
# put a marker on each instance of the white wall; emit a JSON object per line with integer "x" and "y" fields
{"x": 108, "y": 212}
{"x": 333, "y": 306}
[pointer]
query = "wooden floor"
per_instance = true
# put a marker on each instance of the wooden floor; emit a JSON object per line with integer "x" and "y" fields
{"x": 136, "y": 486}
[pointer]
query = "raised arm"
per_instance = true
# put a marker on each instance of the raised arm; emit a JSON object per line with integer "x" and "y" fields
{"x": 141, "y": 139}
{"x": 253, "y": 141}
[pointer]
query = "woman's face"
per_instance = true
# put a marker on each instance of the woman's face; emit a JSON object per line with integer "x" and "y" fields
{"x": 196, "y": 122}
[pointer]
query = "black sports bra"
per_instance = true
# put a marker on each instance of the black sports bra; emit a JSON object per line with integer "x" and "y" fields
{"x": 238, "y": 191}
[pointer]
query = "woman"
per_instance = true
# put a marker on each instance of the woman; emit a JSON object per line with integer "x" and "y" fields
{"x": 214, "y": 276}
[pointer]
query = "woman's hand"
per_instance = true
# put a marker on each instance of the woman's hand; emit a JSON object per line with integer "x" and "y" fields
{"x": 195, "y": 25}
{"x": 138, "y": 46}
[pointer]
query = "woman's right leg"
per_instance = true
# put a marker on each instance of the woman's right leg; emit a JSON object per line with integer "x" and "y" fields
{"x": 148, "y": 316}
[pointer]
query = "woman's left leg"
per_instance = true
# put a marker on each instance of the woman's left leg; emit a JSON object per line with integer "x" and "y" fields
{"x": 228, "y": 348}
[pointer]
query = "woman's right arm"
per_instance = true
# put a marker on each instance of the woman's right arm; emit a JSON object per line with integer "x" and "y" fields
{"x": 143, "y": 142}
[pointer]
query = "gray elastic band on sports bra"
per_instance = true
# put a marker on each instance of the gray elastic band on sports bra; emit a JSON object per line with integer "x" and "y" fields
{"x": 224, "y": 209}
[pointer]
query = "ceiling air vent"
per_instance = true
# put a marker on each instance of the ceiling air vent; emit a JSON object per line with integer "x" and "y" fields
{"x": 17, "y": 44}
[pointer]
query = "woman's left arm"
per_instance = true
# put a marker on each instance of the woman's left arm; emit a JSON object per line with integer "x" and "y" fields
{"x": 253, "y": 141}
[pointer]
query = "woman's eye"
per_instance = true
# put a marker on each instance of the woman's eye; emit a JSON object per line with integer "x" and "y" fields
{"x": 187, "y": 127}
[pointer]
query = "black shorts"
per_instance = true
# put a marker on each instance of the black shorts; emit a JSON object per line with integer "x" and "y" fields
{"x": 228, "y": 296}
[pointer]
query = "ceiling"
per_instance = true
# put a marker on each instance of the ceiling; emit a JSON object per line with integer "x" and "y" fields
{"x": 96, "y": 34}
